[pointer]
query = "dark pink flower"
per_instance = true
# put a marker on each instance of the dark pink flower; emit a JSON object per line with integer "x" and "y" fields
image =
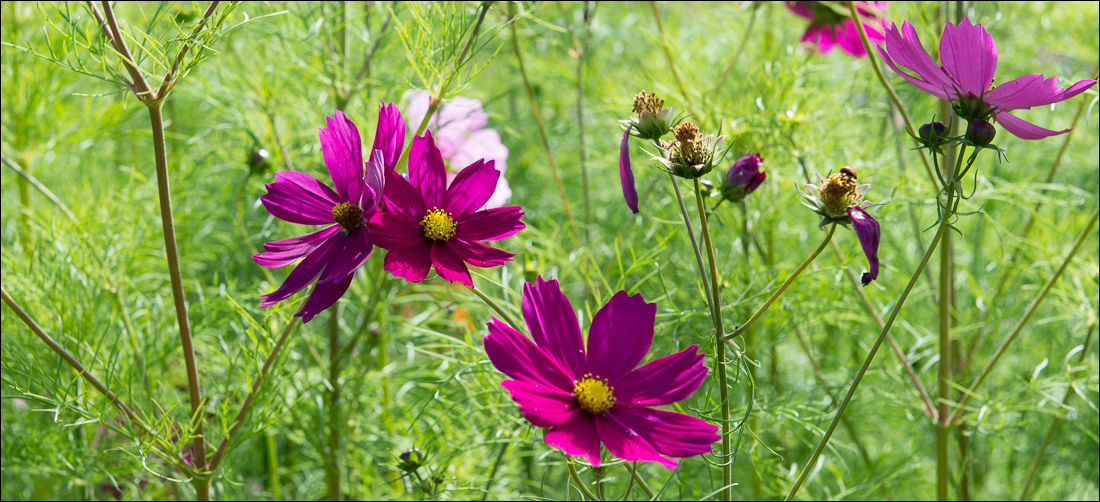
{"x": 968, "y": 57}
{"x": 743, "y": 177}
{"x": 830, "y": 26}
{"x": 427, "y": 223}
{"x": 331, "y": 255}
{"x": 599, "y": 395}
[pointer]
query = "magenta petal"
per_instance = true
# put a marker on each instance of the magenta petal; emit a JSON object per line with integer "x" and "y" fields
{"x": 1023, "y": 129}
{"x": 671, "y": 434}
{"x": 389, "y": 138}
{"x": 826, "y": 38}
{"x": 577, "y": 437}
{"x": 478, "y": 254}
{"x": 553, "y": 324}
{"x": 402, "y": 198}
{"x": 449, "y": 265}
{"x": 542, "y": 405}
{"x": 349, "y": 256}
{"x": 471, "y": 189}
{"x": 626, "y": 443}
{"x": 847, "y": 37}
{"x": 518, "y": 357}
{"x": 919, "y": 60}
{"x": 393, "y": 231}
{"x": 620, "y": 335}
{"x": 969, "y": 54}
{"x": 306, "y": 271}
{"x": 299, "y": 198}
{"x": 343, "y": 152}
{"x": 375, "y": 179}
{"x": 412, "y": 263}
{"x": 427, "y": 171}
{"x": 626, "y": 175}
{"x": 868, "y": 231}
{"x": 490, "y": 224}
{"x": 920, "y": 84}
{"x": 755, "y": 182}
{"x": 663, "y": 381}
{"x": 324, "y": 296}
{"x": 801, "y": 9}
{"x": 287, "y": 251}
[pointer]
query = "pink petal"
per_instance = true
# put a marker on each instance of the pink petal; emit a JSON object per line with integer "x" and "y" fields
{"x": 542, "y": 405}
{"x": 389, "y": 138}
{"x": 869, "y": 233}
{"x": 920, "y": 84}
{"x": 393, "y": 231}
{"x": 626, "y": 174}
{"x": 620, "y": 335}
{"x": 412, "y": 263}
{"x": 553, "y": 324}
{"x": 471, "y": 188}
{"x": 302, "y": 275}
{"x": 518, "y": 357}
{"x": 402, "y": 198}
{"x": 449, "y": 265}
{"x": 478, "y": 254}
{"x": 969, "y": 54}
{"x": 847, "y": 37}
{"x": 577, "y": 437}
{"x": 626, "y": 443}
{"x": 375, "y": 179}
{"x": 825, "y": 40}
{"x": 663, "y": 381}
{"x": 801, "y": 9}
{"x": 348, "y": 257}
{"x": 287, "y": 251}
{"x": 671, "y": 434}
{"x": 907, "y": 50}
{"x": 490, "y": 224}
{"x": 426, "y": 170}
{"x": 343, "y": 152}
{"x": 483, "y": 144}
{"x": 324, "y": 296}
{"x": 1023, "y": 129}
{"x": 299, "y": 198}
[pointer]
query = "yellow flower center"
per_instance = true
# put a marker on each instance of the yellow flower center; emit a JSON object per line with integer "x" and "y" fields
{"x": 347, "y": 215}
{"x": 438, "y": 225}
{"x": 839, "y": 191}
{"x": 594, "y": 394}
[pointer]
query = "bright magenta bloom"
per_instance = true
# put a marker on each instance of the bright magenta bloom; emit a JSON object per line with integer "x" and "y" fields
{"x": 333, "y": 254}
{"x": 830, "y": 28}
{"x": 427, "y": 223}
{"x": 969, "y": 59}
{"x": 599, "y": 396}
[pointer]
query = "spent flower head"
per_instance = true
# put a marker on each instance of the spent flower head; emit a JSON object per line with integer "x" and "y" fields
{"x": 839, "y": 200}
{"x": 651, "y": 119}
{"x": 691, "y": 154}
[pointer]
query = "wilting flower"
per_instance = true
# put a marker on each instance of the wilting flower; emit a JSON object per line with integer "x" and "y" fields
{"x": 691, "y": 154}
{"x": 460, "y": 133}
{"x": 651, "y": 121}
{"x": 594, "y": 396}
{"x": 830, "y": 26}
{"x": 427, "y": 223}
{"x": 969, "y": 60}
{"x": 331, "y": 255}
{"x": 840, "y": 200}
{"x": 743, "y": 177}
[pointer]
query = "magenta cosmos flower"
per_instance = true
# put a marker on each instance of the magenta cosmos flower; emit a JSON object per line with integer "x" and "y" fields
{"x": 460, "y": 133}
{"x": 331, "y": 255}
{"x": 830, "y": 26}
{"x": 968, "y": 57}
{"x": 427, "y": 223}
{"x": 594, "y": 396}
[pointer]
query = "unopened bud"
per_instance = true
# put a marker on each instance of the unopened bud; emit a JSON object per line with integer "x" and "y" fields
{"x": 925, "y": 131}
{"x": 980, "y": 132}
{"x": 259, "y": 161}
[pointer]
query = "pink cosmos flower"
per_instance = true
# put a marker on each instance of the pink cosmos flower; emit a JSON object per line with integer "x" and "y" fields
{"x": 968, "y": 57}
{"x": 427, "y": 223}
{"x": 462, "y": 138}
{"x": 594, "y": 396}
{"x": 829, "y": 27}
{"x": 331, "y": 255}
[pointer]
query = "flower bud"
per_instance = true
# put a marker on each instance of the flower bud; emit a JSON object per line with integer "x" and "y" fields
{"x": 925, "y": 131}
{"x": 743, "y": 177}
{"x": 259, "y": 161}
{"x": 410, "y": 459}
{"x": 706, "y": 187}
{"x": 980, "y": 132}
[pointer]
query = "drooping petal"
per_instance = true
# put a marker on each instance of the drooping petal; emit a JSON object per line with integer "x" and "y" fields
{"x": 324, "y": 296}
{"x": 626, "y": 175}
{"x": 299, "y": 198}
{"x": 343, "y": 152}
{"x": 906, "y": 49}
{"x": 920, "y": 84}
{"x": 553, "y": 324}
{"x": 306, "y": 271}
{"x": 620, "y": 335}
{"x": 663, "y": 381}
{"x": 969, "y": 54}
{"x": 348, "y": 257}
{"x": 577, "y": 437}
{"x": 1023, "y": 129}
{"x": 671, "y": 434}
{"x": 542, "y": 405}
{"x": 518, "y": 357}
{"x": 626, "y": 443}
{"x": 287, "y": 251}
{"x": 490, "y": 224}
{"x": 389, "y": 138}
{"x": 868, "y": 231}
{"x": 471, "y": 189}
{"x": 375, "y": 179}
{"x": 426, "y": 170}
{"x": 411, "y": 263}
{"x": 393, "y": 231}
{"x": 478, "y": 254}
{"x": 449, "y": 265}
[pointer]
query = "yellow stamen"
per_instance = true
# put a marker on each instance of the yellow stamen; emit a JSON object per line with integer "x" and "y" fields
{"x": 438, "y": 225}
{"x": 594, "y": 394}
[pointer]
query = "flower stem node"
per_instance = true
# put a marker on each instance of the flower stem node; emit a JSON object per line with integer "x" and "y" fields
{"x": 438, "y": 225}
{"x": 981, "y": 132}
{"x": 594, "y": 394}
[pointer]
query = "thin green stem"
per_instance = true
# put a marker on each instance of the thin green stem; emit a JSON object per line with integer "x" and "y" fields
{"x": 26, "y": 177}
{"x": 866, "y": 363}
{"x": 630, "y": 483}
{"x": 740, "y": 50}
{"x": 694, "y": 243}
{"x": 645, "y": 488}
{"x": 273, "y": 466}
{"x": 332, "y": 460}
{"x": 1031, "y": 308}
{"x": 719, "y": 351}
{"x": 496, "y": 467}
{"x": 794, "y": 275}
{"x": 943, "y": 428}
{"x": 504, "y": 315}
{"x": 668, "y": 51}
{"x": 577, "y": 481}
{"x": 582, "y": 58}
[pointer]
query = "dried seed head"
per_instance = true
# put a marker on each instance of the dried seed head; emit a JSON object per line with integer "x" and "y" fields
{"x": 645, "y": 102}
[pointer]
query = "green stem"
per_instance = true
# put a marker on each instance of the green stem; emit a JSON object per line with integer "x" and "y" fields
{"x": 794, "y": 275}
{"x": 943, "y": 428}
{"x": 630, "y": 483}
{"x": 273, "y": 467}
{"x": 740, "y": 50}
{"x": 694, "y": 244}
{"x": 504, "y": 315}
{"x": 496, "y": 467}
{"x": 866, "y": 364}
{"x": 668, "y": 51}
{"x": 577, "y": 481}
{"x": 719, "y": 350}
{"x": 332, "y": 472}
{"x": 582, "y": 57}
